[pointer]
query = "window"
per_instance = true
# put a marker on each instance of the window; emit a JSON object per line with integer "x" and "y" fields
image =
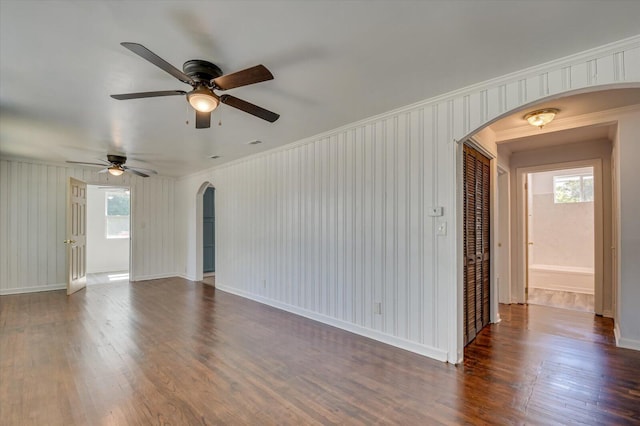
{"x": 117, "y": 214}
{"x": 573, "y": 189}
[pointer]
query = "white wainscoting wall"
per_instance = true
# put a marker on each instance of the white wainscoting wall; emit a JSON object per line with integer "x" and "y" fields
{"x": 33, "y": 224}
{"x": 331, "y": 226}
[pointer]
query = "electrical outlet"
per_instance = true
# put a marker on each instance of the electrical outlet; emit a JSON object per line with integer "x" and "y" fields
{"x": 377, "y": 308}
{"x": 442, "y": 229}
{"x": 264, "y": 283}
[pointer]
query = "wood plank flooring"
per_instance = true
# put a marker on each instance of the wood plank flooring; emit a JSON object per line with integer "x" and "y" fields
{"x": 175, "y": 352}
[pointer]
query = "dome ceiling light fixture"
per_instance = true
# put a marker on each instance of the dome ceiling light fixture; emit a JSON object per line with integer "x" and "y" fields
{"x": 541, "y": 117}
{"x": 203, "y": 99}
{"x": 115, "y": 170}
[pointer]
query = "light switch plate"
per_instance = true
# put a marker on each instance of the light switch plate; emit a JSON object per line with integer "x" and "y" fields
{"x": 435, "y": 211}
{"x": 442, "y": 228}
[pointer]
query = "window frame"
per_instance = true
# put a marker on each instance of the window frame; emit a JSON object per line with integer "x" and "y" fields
{"x": 581, "y": 177}
{"x": 107, "y": 216}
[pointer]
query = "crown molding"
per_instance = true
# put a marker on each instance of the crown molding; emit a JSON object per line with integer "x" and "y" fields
{"x": 590, "y": 54}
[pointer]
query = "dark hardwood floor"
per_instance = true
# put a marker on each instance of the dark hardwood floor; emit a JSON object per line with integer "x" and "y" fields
{"x": 175, "y": 352}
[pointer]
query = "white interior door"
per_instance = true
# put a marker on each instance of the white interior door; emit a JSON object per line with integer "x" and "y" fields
{"x": 76, "y": 236}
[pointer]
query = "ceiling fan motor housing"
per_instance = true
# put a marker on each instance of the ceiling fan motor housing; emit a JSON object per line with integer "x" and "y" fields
{"x": 201, "y": 71}
{"x": 116, "y": 159}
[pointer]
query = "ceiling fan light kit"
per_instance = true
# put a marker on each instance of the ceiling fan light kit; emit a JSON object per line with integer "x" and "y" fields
{"x": 204, "y": 77}
{"x": 203, "y": 99}
{"x": 115, "y": 170}
{"x": 541, "y": 117}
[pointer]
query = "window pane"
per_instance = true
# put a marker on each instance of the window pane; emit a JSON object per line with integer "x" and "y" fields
{"x": 566, "y": 189}
{"x": 587, "y": 188}
{"x": 117, "y": 204}
{"x": 573, "y": 189}
{"x": 117, "y": 214}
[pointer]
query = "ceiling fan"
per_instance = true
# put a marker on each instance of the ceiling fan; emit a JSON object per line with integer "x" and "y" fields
{"x": 204, "y": 77}
{"x": 115, "y": 166}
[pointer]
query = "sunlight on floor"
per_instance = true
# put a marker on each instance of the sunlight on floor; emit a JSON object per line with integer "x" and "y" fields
{"x": 108, "y": 277}
{"x": 118, "y": 277}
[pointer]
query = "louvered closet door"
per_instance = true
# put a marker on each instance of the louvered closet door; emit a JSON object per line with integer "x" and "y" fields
{"x": 476, "y": 242}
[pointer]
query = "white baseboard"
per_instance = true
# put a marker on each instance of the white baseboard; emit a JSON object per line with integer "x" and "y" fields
{"x": 186, "y": 277}
{"x": 153, "y": 277}
{"x": 418, "y": 348}
{"x": 34, "y": 289}
{"x": 622, "y": 342}
{"x": 561, "y": 278}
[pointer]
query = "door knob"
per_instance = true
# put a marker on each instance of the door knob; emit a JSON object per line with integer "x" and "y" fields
{"x": 69, "y": 241}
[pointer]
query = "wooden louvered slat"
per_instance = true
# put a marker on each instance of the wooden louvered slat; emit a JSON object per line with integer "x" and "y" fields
{"x": 485, "y": 241}
{"x": 465, "y": 296}
{"x": 476, "y": 170}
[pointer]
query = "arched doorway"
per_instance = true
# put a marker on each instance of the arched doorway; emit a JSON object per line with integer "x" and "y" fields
{"x": 205, "y": 231}
{"x": 208, "y": 233}
{"x": 588, "y": 110}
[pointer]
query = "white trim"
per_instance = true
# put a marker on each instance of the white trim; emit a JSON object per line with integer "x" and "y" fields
{"x": 187, "y": 277}
{"x": 622, "y": 342}
{"x": 566, "y": 288}
{"x": 34, "y": 289}
{"x": 425, "y": 350}
{"x": 153, "y": 277}
{"x": 475, "y": 144}
{"x": 503, "y": 219}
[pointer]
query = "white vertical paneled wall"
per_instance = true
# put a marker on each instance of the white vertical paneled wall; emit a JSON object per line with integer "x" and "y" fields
{"x": 336, "y": 225}
{"x": 33, "y": 224}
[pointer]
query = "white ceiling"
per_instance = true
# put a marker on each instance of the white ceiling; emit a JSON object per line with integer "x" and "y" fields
{"x": 561, "y": 137}
{"x": 514, "y": 134}
{"x": 334, "y": 63}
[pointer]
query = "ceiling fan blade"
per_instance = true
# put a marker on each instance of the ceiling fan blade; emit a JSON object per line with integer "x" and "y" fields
{"x": 203, "y": 120}
{"x": 243, "y": 78}
{"x": 139, "y": 169}
{"x": 139, "y": 95}
{"x": 134, "y": 171}
{"x": 104, "y": 170}
{"x": 156, "y": 60}
{"x": 249, "y": 108}
{"x": 88, "y": 164}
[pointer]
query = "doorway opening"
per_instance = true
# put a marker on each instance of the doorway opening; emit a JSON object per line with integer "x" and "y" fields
{"x": 208, "y": 236}
{"x": 560, "y": 225}
{"x": 585, "y": 134}
{"x": 197, "y": 271}
{"x": 108, "y": 234}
